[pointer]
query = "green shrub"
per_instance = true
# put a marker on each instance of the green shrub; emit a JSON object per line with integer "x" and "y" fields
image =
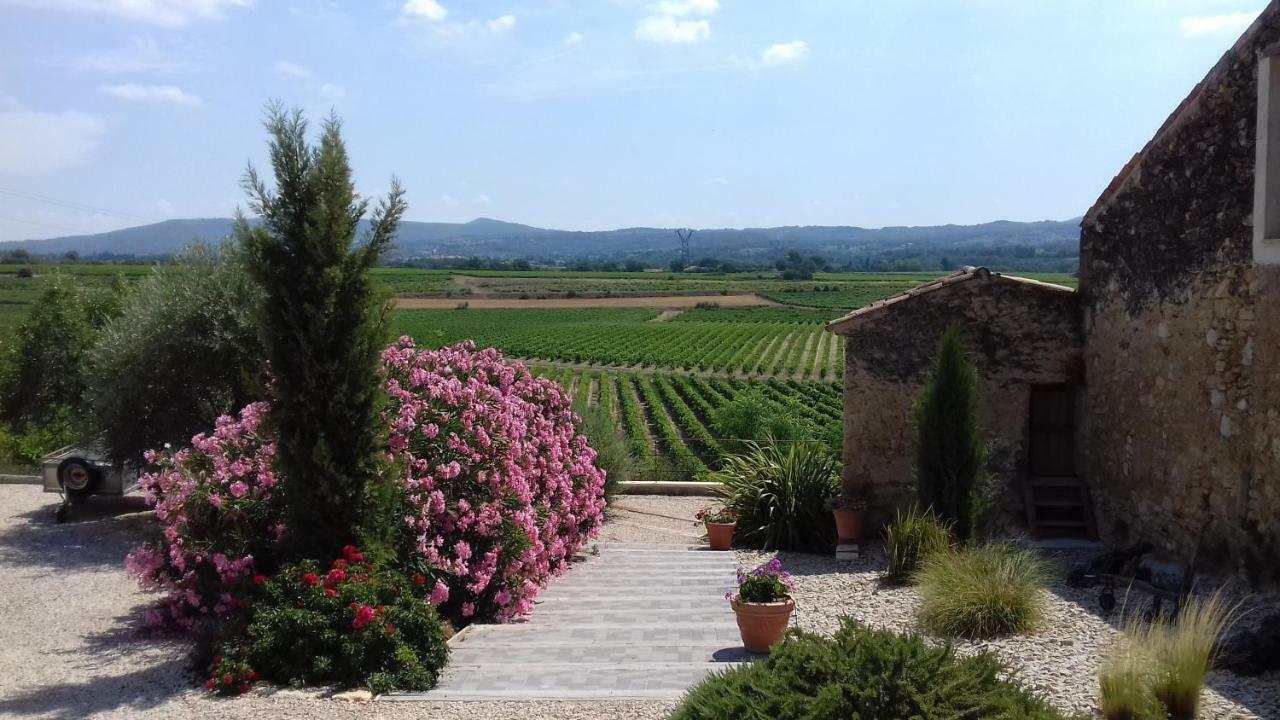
{"x": 779, "y": 492}
{"x": 351, "y": 625}
{"x": 982, "y": 592}
{"x": 862, "y": 673}
{"x": 950, "y": 453}
{"x": 750, "y": 417}
{"x": 323, "y": 326}
{"x": 613, "y": 453}
{"x": 42, "y": 371}
{"x": 910, "y": 539}
{"x": 184, "y": 350}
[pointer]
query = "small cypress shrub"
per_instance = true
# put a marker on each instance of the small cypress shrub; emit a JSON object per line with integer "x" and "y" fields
{"x": 862, "y": 673}
{"x": 323, "y": 325}
{"x": 910, "y": 539}
{"x": 950, "y": 452}
{"x": 982, "y": 592}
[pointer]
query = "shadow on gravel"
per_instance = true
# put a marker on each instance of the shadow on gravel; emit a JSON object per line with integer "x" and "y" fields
{"x": 99, "y": 534}
{"x": 139, "y": 690}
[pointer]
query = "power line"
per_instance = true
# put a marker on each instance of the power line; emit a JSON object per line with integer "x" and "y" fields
{"x": 45, "y": 224}
{"x": 35, "y": 197}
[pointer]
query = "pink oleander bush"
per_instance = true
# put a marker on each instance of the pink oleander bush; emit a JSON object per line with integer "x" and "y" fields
{"x": 501, "y": 490}
{"x": 497, "y": 492}
{"x": 220, "y": 513}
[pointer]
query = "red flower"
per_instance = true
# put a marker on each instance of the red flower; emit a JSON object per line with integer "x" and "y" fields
{"x": 252, "y": 676}
{"x": 208, "y": 684}
{"x": 311, "y": 579}
{"x": 217, "y": 661}
{"x": 330, "y": 592}
{"x": 364, "y": 616}
{"x": 353, "y": 606}
{"x": 420, "y": 580}
{"x": 335, "y": 576}
{"x": 352, "y": 554}
{"x": 244, "y": 687}
{"x": 389, "y": 630}
{"x": 340, "y": 563}
{"x": 259, "y": 579}
{"x": 227, "y": 679}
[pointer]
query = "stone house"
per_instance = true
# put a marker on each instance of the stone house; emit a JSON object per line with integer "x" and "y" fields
{"x": 1171, "y": 360}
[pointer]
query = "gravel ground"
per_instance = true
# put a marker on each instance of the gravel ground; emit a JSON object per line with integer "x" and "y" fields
{"x": 654, "y": 519}
{"x": 71, "y": 644}
{"x": 1059, "y": 661}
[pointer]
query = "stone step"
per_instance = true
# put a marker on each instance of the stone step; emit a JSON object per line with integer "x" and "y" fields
{"x": 631, "y": 588}
{"x": 665, "y": 634}
{"x": 605, "y": 602}
{"x": 543, "y": 681}
{"x": 668, "y": 584}
{"x": 534, "y": 653}
{"x": 657, "y": 561}
{"x": 556, "y": 617}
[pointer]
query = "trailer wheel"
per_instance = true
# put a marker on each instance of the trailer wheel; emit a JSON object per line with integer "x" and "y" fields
{"x": 78, "y": 478}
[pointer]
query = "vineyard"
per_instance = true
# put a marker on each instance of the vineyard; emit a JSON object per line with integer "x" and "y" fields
{"x": 667, "y": 418}
{"x": 781, "y": 344}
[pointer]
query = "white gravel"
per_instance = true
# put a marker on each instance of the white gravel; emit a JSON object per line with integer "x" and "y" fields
{"x": 71, "y": 644}
{"x": 1059, "y": 661}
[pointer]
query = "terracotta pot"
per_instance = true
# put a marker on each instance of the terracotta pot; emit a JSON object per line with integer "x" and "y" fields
{"x": 762, "y": 624}
{"x": 720, "y": 535}
{"x": 848, "y": 524}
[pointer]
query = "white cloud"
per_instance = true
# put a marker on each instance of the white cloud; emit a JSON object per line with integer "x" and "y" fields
{"x": 573, "y": 38}
{"x": 449, "y": 200}
{"x": 671, "y": 22}
{"x": 1211, "y": 25}
{"x": 333, "y": 92}
{"x": 668, "y": 30}
{"x": 430, "y": 10}
{"x": 482, "y": 199}
{"x": 36, "y": 142}
{"x": 287, "y": 69}
{"x": 681, "y": 8}
{"x": 143, "y": 55}
{"x": 773, "y": 56}
{"x": 162, "y": 13}
{"x": 785, "y": 53}
{"x": 502, "y": 24}
{"x": 134, "y": 92}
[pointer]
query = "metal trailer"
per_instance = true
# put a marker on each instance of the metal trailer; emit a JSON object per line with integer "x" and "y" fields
{"x": 77, "y": 474}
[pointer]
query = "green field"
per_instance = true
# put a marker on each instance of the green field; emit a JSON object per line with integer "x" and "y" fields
{"x": 660, "y": 375}
{"x": 667, "y": 416}
{"x": 775, "y": 346}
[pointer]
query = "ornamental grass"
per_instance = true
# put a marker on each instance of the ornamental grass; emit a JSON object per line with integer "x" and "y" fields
{"x": 982, "y": 592}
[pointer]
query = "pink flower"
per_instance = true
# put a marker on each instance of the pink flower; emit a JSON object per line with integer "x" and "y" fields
{"x": 238, "y": 489}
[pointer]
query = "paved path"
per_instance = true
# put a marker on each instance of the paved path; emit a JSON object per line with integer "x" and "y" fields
{"x": 636, "y": 621}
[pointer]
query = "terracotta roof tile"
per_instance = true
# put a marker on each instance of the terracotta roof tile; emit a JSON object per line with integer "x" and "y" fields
{"x": 963, "y": 275}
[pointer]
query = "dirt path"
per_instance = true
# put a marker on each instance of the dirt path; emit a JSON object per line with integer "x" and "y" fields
{"x": 804, "y": 357}
{"x": 682, "y": 302}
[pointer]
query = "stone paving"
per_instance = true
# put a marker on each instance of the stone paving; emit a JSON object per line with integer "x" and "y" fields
{"x": 634, "y": 621}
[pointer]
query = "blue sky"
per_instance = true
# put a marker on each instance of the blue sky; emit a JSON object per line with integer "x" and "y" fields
{"x": 587, "y": 114}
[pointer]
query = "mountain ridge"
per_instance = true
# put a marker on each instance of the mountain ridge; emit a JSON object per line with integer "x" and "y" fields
{"x": 488, "y": 237}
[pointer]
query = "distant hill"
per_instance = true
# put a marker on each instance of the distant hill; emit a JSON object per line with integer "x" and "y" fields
{"x": 1032, "y": 242}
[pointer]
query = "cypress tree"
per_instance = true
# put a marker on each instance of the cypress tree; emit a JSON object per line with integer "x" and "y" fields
{"x": 323, "y": 325}
{"x": 950, "y": 453}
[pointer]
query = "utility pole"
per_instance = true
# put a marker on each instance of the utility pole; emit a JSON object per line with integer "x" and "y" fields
{"x": 684, "y": 234}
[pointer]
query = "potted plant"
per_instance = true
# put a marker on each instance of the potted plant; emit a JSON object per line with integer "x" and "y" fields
{"x": 848, "y": 510}
{"x": 763, "y": 605}
{"x": 720, "y": 522}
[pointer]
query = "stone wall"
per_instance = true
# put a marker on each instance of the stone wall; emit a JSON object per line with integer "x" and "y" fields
{"x": 1019, "y": 334}
{"x": 1182, "y": 346}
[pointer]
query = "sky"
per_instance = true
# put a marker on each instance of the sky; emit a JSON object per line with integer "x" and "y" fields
{"x": 597, "y": 114}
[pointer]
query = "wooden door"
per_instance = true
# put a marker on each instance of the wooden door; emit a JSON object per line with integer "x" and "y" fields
{"x": 1052, "y": 452}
